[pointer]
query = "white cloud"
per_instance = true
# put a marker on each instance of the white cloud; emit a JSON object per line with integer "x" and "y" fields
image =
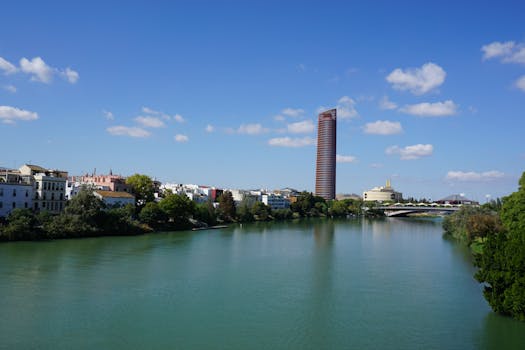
{"x": 291, "y": 142}
{"x": 70, "y": 75}
{"x": 411, "y": 152}
{"x": 251, "y": 129}
{"x": 11, "y": 115}
{"x": 345, "y": 159}
{"x": 108, "y": 115}
{"x": 178, "y": 118}
{"x": 7, "y": 66}
{"x": 417, "y": 80}
{"x": 293, "y": 112}
{"x": 508, "y": 52}
{"x": 209, "y": 128}
{"x": 39, "y": 70}
{"x": 376, "y": 165}
{"x": 150, "y": 122}
{"x": 121, "y": 130}
{"x": 304, "y": 127}
{"x": 383, "y": 127}
{"x": 386, "y": 104}
{"x": 150, "y": 111}
{"x": 474, "y": 176}
{"x": 10, "y": 88}
{"x": 181, "y": 138}
{"x": 279, "y": 118}
{"x": 497, "y": 49}
{"x": 520, "y": 83}
{"x": 437, "y": 109}
{"x": 301, "y": 67}
{"x": 346, "y": 108}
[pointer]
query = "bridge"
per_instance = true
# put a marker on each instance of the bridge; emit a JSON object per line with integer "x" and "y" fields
{"x": 405, "y": 210}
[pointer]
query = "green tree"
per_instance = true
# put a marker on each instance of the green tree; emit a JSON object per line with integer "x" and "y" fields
{"x": 282, "y": 214}
{"x": 83, "y": 216}
{"x": 178, "y": 208}
{"x": 205, "y": 212}
{"x": 22, "y": 225}
{"x": 338, "y": 208}
{"x": 502, "y": 263}
{"x": 309, "y": 205}
{"x": 152, "y": 215}
{"x": 142, "y": 187}
{"x": 227, "y": 206}
{"x": 261, "y": 211}
{"x": 244, "y": 213}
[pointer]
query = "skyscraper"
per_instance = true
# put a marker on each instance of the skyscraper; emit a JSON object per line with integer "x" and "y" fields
{"x": 326, "y": 153}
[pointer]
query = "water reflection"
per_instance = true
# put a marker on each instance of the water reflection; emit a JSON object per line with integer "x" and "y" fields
{"x": 500, "y": 332}
{"x": 318, "y": 325}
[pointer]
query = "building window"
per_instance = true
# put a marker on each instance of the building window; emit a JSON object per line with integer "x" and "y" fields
{"x": 14, "y": 192}
{"x": 61, "y": 196}
{"x": 36, "y": 206}
{"x": 44, "y": 197}
{"x": 43, "y": 204}
{"x": 53, "y": 186}
{"x": 1, "y": 205}
{"x": 27, "y": 193}
{"x": 37, "y": 185}
{"x": 14, "y": 205}
{"x": 52, "y": 196}
{"x": 25, "y": 205}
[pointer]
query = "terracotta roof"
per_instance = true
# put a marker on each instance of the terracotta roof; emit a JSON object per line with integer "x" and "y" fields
{"x": 114, "y": 194}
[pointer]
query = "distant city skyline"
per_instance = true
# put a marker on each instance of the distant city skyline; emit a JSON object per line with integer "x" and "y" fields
{"x": 227, "y": 93}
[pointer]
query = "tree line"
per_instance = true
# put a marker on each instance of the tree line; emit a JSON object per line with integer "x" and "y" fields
{"x": 86, "y": 215}
{"x": 496, "y": 234}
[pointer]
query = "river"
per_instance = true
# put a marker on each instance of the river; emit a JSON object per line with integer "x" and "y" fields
{"x": 311, "y": 284}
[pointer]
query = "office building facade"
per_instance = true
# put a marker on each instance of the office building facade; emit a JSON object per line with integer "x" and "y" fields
{"x": 326, "y": 154}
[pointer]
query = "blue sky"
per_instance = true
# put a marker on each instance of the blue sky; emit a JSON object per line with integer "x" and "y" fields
{"x": 226, "y": 93}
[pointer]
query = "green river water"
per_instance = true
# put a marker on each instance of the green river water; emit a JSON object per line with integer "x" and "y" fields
{"x": 311, "y": 284}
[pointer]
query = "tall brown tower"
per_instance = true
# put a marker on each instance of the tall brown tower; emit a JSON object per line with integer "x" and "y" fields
{"x": 326, "y": 155}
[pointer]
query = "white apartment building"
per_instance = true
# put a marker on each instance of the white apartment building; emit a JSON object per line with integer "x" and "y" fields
{"x": 49, "y": 188}
{"x": 15, "y": 195}
{"x": 275, "y": 201}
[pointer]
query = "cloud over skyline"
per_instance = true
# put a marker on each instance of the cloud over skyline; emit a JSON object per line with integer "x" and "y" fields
{"x": 411, "y": 152}
{"x": 474, "y": 176}
{"x": 345, "y": 159}
{"x": 383, "y": 127}
{"x": 436, "y": 109}
{"x": 303, "y": 127}
{"x": 291, "y": 142}
{"x": 418, "y": 81}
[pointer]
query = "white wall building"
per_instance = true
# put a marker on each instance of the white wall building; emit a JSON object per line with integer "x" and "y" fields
{"x": 49, "y": 188}
{"x": 275, "y": 201}
{"x": 15, "y": 195}
{"x": 382, "y": 194}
